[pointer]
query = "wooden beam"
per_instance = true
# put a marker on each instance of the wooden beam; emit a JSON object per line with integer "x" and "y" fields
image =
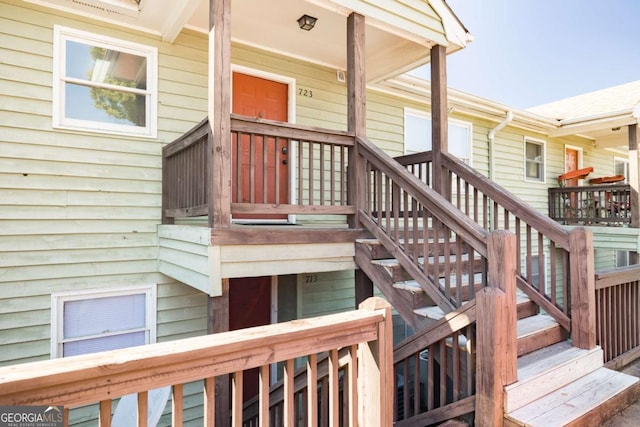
{"x": 375, "y": 371}
{"x": 439, "y": 123}
{"x": 497, "y": 350}
{"x": 583, "y": 292}
{"x": 218, "y": 321}
{"x": 356, "y": 111}
{"x": 219, "y": 152}
{"x": 634, "y": 175}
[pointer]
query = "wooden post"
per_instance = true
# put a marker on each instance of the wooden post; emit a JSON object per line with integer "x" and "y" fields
{"x": 375, "y": 371}
{"x": 364, "y": 287}
{"x": 439, "y": 122}
{"x": 497, "y": 349}
{"x": 219, "y": 143}
{"x": 634, "y": 176}
{"x": 356, "y": 114}
{"x": 218, "y": 321}
{"x": 583, "y": 288}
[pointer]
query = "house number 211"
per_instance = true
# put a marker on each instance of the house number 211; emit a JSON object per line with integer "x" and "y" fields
{"x": 305, "y": 92}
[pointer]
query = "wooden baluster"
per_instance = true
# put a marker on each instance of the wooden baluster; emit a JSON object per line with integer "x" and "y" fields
{"x": 289, "y": 401}
{"x": 143, "y": 404}
{"x": 105, "y": 413}
{"x": 312, "y": 390}
{"x": 177, "y": 406}
{"x": 209, "y": 402}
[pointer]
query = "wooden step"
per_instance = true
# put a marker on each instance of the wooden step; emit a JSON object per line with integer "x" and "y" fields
{"x": 587, "y": 401}
{"x": 378, "y": 251}
{"x": 539, "y": 331}
{"x": 435, "y": 313}
{"x": 544, "y": 371}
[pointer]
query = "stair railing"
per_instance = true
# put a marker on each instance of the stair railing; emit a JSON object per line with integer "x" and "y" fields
{"x": 422, "y": 230}
{"x": 553, "y": 263}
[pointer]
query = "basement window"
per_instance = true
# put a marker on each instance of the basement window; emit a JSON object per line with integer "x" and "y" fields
{"x": 94, "y": 321}
{"x": 102, "y": 84}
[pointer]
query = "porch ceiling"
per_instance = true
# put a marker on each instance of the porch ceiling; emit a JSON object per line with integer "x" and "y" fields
{"x": 272, "y": 25}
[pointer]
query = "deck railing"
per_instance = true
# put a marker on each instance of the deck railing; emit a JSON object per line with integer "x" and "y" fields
{"x": 618, "y": 314}
{"x": 366, "y": 334}
{"x": 550, "y": 260}
{"x": 603, "y": 204}
{"x": 277, "y": 169}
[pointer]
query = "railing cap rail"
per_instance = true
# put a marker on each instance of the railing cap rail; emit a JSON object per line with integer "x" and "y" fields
{"x": 90, "y": 378}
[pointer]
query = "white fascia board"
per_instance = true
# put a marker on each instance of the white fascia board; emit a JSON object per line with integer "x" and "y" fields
{"x": 418, "y": 89}
{"x": 593, "y": 124}
{"x": 455, "y": 32}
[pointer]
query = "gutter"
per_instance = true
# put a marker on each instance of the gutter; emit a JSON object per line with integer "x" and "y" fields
{"x": 491, "y": 136}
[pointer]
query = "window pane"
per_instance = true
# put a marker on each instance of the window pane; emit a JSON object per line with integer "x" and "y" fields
{"x": 459, "y": 141}
{"x": 534, "y": 170}
{"x": 103, "y": 315}
{"x": 534, "y": 151}
{"x": 104, "y": 344}
{"x": 417, "y": 134}
{"x": 103, "y": 65}
{"x": 105, "y": 106}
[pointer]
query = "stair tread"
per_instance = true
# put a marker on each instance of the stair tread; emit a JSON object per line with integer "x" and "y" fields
{"x": 409, "y": 285}
{"x": 549, "y": 357}
{"x": 534, "y": 324}
{"x": 573, "y": 400}
{"x": 548, "y": 369}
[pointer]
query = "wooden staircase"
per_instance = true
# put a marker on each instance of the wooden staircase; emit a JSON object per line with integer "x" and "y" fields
{"x": 558, "y": 384}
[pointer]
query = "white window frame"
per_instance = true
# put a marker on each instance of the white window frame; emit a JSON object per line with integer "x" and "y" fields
{"x": 543, "y": 172}
{"x": 427, "y": 116}
{"x": 60, "y": 121}
{"x": 58, "y": 299}
{"x": 624, "y": 161}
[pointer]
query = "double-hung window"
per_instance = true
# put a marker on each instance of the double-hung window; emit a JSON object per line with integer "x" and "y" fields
{"x": 102, "y": 84}
{"x": 621, "y": 167}
{"x": 417, "y": 135}
{"x": 534, "y": 168}
{"x": 89, "y": 322}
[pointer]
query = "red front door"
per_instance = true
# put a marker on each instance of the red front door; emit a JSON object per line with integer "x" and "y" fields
{"x": 571, "y": 159}
{"x": 249, "y": 305}
{"x": 263, "y": 177}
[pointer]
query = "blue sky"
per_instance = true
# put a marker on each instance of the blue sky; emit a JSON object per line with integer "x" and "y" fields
{"x": 530, "y": 52}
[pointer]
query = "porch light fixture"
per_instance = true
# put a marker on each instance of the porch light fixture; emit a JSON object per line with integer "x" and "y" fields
{"x": 306, "y": 22}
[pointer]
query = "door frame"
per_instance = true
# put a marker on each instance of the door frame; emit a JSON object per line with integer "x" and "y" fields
{"x": 291, "y": 118}
{"x": 580, "y": 152}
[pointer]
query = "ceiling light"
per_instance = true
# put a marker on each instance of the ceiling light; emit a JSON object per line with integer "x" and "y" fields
{"x": 306, "y": 22}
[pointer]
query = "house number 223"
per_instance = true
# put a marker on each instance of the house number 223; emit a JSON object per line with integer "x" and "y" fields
{"x": 305, "y": 92}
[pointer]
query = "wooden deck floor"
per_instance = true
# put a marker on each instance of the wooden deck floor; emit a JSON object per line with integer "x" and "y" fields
{"x": 629, "y": 417}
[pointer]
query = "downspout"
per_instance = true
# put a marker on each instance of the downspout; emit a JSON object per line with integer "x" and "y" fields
{"x": 491, "y": 136}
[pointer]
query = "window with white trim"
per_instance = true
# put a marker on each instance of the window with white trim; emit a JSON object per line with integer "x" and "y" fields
{"x": 621, "y": 167}
{"x": 417, "y": 135}
{"x": 102, "y": 84}
{"x": 93, "y": 321}
{"x": 534, "y": 167}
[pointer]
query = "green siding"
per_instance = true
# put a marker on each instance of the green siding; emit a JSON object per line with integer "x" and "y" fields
{"x": 78, "y": 210}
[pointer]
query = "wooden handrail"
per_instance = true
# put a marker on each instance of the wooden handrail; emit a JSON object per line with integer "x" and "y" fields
{"x": 187, "y": 139}
{"x": 509, "y": 201}
{"x": 290, "y": 130}
{"x": 101, "y": 377}
{"x": 617, "y": 276}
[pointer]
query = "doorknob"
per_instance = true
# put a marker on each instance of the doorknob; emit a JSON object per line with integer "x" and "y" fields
{"x": 284, "y": 150}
